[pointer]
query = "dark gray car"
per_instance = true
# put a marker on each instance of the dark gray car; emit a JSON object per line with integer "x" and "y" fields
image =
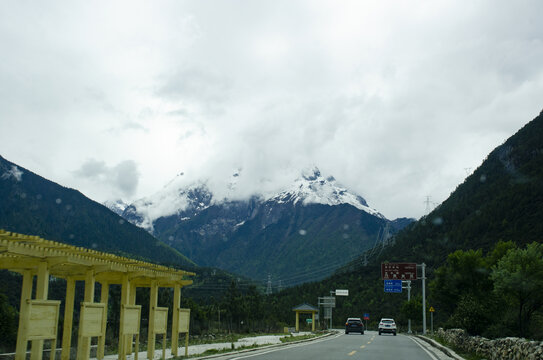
{"x": 354, "y": 325}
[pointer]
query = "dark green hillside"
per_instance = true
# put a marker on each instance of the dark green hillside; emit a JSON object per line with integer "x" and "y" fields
{"x": 30, "y": 204}
{"x": 302, "y": 240}
{"x": 501, "y": 200}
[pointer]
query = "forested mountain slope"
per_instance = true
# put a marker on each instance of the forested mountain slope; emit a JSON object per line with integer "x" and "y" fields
{"x": 30, "y": 204}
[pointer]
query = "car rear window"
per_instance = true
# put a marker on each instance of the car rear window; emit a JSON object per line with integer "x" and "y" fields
{"x": 388, "y": 321}
{"x": 354, "y": 321}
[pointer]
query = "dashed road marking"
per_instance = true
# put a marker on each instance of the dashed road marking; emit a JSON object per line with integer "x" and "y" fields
{"x": 352, "y": 353}
{"x": 363, "y": 346}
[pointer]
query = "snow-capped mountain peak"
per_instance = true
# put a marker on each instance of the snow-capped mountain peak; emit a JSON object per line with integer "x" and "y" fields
{"x": 185, "y": 199}
{"x": 313, "y": 188}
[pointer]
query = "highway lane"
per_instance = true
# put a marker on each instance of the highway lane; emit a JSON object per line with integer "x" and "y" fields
{"x": 348, "y": 347}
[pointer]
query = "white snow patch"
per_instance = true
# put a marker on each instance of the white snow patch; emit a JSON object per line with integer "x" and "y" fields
{"x": 14, "y": 172}
{"x": 238, "y": 225}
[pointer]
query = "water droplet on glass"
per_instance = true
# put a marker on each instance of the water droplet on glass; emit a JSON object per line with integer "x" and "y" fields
{"x": 302, "y": 232}
{"x": 170, "y": 238}
{"x": 58, "y": 201}
{"x": 23, "y": 196}
{"x": 68, "y": 207}
{"x": 482, "y": 178}
{"x": 94, "y": 245}
{"x": 39, "y": 197}
{"x": 121, "y": 221}
{"x": 346, "y": 227}
{"x": 345, "y": 236}
{"x": 437, "y": 220}
{"x": 72, "y": 236}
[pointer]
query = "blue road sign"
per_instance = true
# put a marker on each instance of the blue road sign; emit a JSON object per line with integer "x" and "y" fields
{"x": 393, "y": 286}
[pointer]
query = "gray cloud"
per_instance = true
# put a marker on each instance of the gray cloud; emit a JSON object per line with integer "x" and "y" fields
{"x": 393, "y": 99}
{"x": 197, "y": 86}
{"x": 121, "y": 178}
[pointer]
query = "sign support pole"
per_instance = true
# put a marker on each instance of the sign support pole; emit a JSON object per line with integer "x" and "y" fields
{"x": 423, "y": 266}
{"x": 331, "y": 293}
{"x": 409, "y": 299}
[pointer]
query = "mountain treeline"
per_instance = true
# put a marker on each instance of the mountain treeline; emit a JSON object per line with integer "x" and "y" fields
{"x": 33, "y": 205}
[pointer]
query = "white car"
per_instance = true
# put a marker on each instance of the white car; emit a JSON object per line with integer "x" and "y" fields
{"x": 387, "y": 325}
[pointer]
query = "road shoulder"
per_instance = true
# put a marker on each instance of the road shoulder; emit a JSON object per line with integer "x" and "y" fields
{"x": 266, "y": 347}
{"x": 439, "y": 349}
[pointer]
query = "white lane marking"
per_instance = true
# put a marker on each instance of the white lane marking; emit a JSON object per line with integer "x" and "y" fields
{"x": 287, "y": 347}
{"x": 416, "y": 341}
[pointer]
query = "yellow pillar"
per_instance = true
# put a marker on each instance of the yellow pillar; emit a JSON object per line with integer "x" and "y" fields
{"x": 125, "y": 292}
{"x": 68, "y": 319}
{"x": 313, "y": 321}
{"x": 83, "y": 344}
{"x": 26, "y": 294}
{"x": 42, "y": 290}
{"x": 131, "y": 301}
{"x": 187, "y": 344}
{"x": 104, "y": 297}
{"x": 175, "y": 319}
{"x": 297, "y": 321}
{"x": 153, "y": 302}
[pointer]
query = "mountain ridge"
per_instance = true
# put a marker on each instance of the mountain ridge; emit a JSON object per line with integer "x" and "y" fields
{"x": 31, "y": 204}
{"x": 266, "y": 233}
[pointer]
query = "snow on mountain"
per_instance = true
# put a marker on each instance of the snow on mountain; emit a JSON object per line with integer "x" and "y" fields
{"x": 117, "y": 206}
{"x": 187, "y": 199}
{"x": 313, "y": 188}
{"x": 14, "y": 172}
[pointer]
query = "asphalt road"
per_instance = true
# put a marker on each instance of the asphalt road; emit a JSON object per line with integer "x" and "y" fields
{"x": 349, "y": 347}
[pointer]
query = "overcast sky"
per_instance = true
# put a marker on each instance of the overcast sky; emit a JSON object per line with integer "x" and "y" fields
{"x": 396, "y": 99}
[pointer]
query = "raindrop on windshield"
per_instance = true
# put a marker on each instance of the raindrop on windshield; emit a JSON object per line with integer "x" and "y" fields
{"x": 302, "y": 232}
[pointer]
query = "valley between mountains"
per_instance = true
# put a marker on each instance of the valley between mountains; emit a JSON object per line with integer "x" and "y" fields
{"x": 302, "y": 233}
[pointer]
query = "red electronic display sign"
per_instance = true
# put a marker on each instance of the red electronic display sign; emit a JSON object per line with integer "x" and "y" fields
{"x": 399, "y": 271}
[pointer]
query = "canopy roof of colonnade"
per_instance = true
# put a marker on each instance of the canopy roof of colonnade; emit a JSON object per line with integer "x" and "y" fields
{"x": 21, "y": 253}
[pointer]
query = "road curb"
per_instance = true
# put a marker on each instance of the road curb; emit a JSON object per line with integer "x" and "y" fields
{"x": 437, "y": 345}
{"x": 263, "y": 346}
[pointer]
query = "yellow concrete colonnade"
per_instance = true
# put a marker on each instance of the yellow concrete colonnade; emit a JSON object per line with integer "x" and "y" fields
{"x": 38, "y": 321}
